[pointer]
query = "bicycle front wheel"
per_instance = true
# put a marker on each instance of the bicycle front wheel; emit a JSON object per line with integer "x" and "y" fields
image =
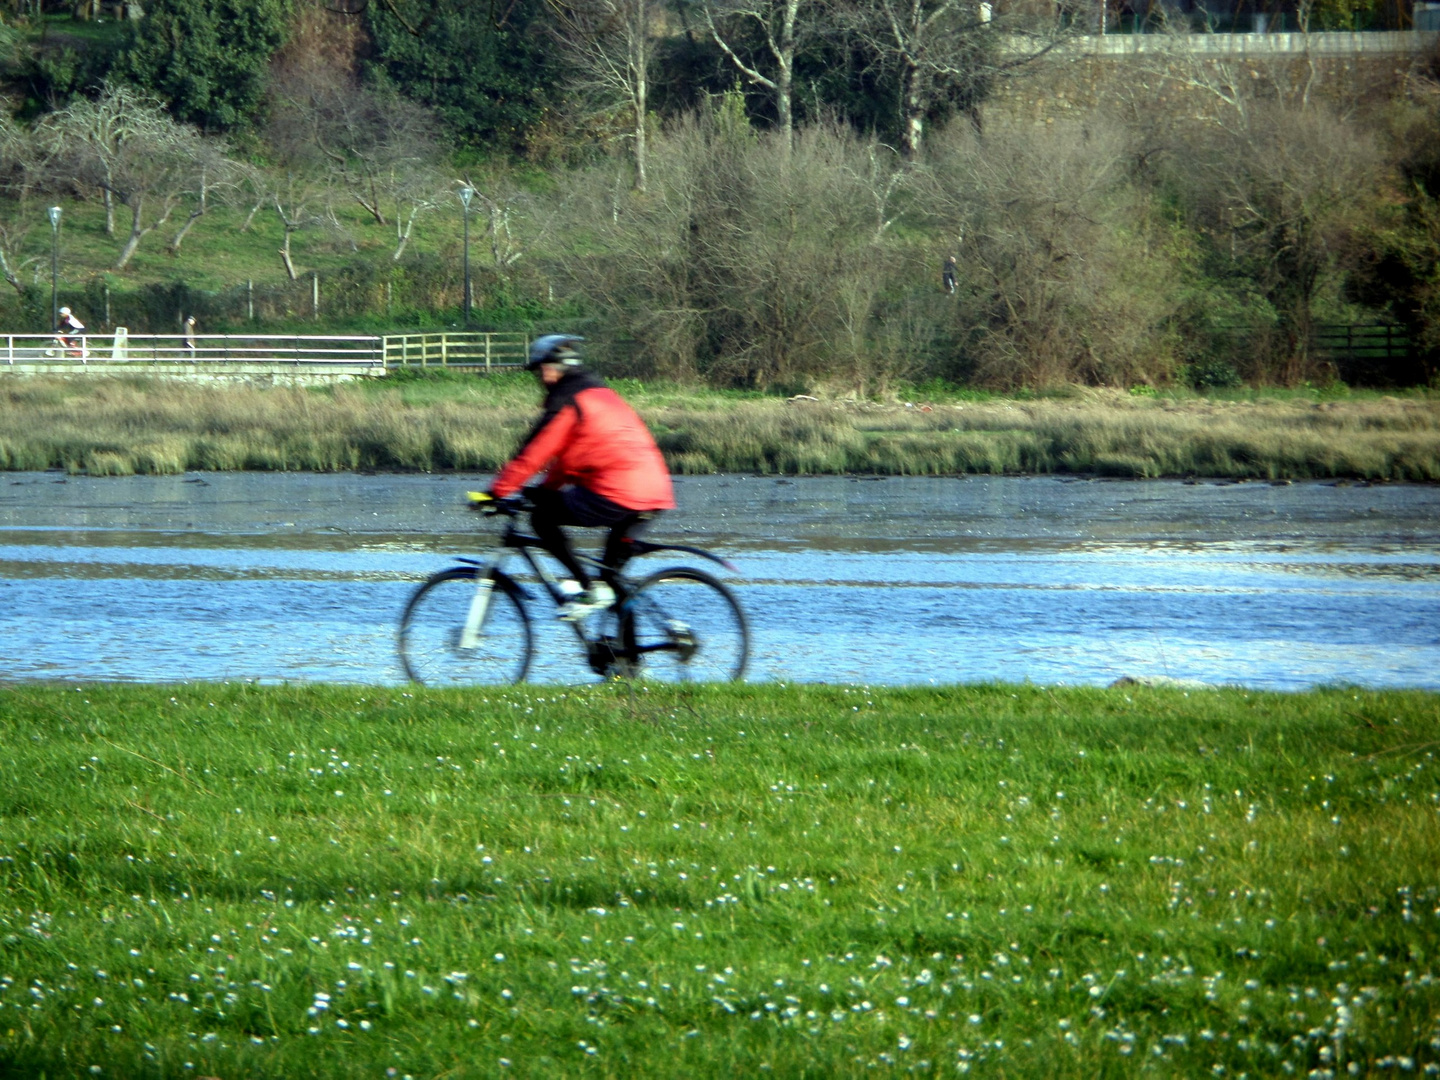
{"x": 682, "y": 625}
{"x": 435, "y": 647}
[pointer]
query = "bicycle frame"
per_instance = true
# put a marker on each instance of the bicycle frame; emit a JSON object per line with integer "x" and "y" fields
{"x": 513, "y": 540}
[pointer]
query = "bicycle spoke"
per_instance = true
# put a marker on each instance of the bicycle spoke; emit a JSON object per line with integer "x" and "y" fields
{"x": 443, "y": 641}
{"x": 685, "y": 626}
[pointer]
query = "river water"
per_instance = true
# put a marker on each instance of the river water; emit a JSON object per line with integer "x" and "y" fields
{"x": 298, "y": 577}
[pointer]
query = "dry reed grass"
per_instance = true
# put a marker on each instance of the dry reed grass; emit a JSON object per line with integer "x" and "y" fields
{"x": 125, "y": 426}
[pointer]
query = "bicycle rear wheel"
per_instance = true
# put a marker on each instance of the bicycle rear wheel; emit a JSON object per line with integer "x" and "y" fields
{"x": 682, "y": 625}
{"x": 433, "y": 625}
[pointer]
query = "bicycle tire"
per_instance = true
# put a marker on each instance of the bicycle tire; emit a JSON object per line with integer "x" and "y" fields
{"x": 434, "y": 618}
{"x": 684, "y": 625}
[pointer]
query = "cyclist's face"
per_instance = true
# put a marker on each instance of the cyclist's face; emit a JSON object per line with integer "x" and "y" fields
{"x": 549, "y": 374}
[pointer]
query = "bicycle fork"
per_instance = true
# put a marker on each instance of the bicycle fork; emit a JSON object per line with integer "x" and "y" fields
{"x": 479, "y": 604}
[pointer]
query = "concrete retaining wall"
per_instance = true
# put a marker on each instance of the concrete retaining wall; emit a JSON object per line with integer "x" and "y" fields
{"x": 1167, "y": 75}
{"x": 1326, "y": 43}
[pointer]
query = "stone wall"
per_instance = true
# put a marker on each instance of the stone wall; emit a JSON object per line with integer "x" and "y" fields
{"x": 1137, "y": 72}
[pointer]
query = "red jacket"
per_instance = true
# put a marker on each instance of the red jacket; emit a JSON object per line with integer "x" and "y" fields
{"x": 590, "y": 437}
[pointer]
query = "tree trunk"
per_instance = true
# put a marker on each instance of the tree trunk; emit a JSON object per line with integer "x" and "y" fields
{"x": 131, "y": 243}
{"x": 641, "y": 95}
{"x": 371, "y": 203}
{"x": 785, "y": 75}
{"x": 195, "y": 215}
{"x": 404, "y": 234}
{"x": 10, "y": 275}
{"x": 251, "y": 216}
{"x": 285, "y": 255}
{"x": 109, "y": 211}
{"x": 136, "y": 233}
{"x": 912, "y": 104}
{"x": 640, "y": 51}
{"x": 783, "y": 115}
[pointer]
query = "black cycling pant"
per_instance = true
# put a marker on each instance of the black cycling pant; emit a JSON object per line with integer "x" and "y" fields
{"x": 580, "y": 506}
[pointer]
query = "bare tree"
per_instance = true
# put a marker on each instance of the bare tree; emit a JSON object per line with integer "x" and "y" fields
{"x": 13, "y": 232}
{"x": 131, "y": 149}
{"x": 17, "y": 163}
{"x": 781, "y": 25}
{"x": 295, "y": 199}
{"x": 608, "y": 42}
{"x": 413, "y": 192}
{"x": 747, "y": 262}
{"x": 100, "y": 126}
{"x": 215, "y": 180}
{"x": 1268, "y": 177}
{"x": 1059, "y": 281}
{"x": 254, "y": 187}
{"x": 368, "y": 141}
{"x": 1279, "y": 191}
{"x": 948, "y": 51}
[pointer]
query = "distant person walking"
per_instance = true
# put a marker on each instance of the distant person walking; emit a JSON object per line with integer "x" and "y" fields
{"x": 189, "y": 338}
{"x": 948, "y": 275}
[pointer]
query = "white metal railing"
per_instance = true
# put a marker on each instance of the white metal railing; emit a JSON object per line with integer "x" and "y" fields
{"x": 122, "y": 347}
{"x": 468, "y": 349}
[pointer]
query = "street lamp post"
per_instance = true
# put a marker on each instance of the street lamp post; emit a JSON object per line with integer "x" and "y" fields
{"x": 466, "y": 194}
{"x": 54, "y": 268}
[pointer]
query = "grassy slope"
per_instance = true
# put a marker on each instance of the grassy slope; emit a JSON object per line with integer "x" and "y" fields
{"x": 121, "y": 426}
{"x": 215, "y": 255}
{"x": 607, "y": 881}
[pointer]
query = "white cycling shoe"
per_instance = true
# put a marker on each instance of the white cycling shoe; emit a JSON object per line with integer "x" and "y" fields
{"x": 588, "y": 601}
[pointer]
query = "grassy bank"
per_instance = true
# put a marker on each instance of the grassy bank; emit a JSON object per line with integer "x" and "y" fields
{"x": 123, "y": 426}
{"x": 603, "y": 881}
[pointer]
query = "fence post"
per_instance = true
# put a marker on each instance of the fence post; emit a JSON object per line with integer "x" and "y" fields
{"x": 444, "y": 350}
{"x": 250, "y": 300}
{"x": 315, "y": 294}
{"x": 487, "y": 354}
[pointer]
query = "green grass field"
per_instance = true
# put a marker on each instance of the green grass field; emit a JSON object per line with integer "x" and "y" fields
{"x": 615, "y": 880}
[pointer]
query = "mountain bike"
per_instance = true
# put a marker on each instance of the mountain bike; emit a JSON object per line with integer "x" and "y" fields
{"x": 471, "y": 624}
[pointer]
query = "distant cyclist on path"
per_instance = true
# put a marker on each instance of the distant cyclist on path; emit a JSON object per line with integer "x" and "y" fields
{"x": 69, "y": 331}
{"x": 603, "y": 469}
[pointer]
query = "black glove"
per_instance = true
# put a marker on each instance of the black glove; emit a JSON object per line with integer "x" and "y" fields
{"x": 488, "y": 504}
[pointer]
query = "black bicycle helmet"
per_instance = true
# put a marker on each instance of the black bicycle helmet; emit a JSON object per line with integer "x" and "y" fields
{"x": 554, "y": 349}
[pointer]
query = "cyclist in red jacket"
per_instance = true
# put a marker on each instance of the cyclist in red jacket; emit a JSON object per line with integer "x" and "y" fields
{"x": 602, "y": 469}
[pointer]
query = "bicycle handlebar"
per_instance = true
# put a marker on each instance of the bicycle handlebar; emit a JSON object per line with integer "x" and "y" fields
{"x": 485, "y": 503}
